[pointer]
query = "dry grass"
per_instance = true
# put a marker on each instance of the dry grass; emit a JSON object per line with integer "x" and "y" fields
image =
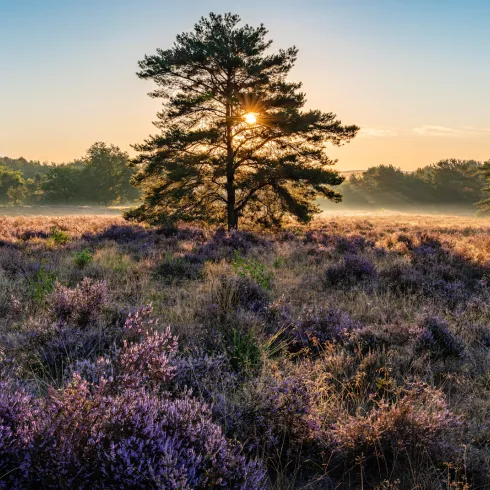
{"x": 373, "y": 405}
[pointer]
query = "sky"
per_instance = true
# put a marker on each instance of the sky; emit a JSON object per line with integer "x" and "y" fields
{"x": 413, "y": 74}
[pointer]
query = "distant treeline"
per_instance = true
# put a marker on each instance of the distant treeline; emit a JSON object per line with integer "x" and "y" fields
{"x": 448, "y": 182}
{"x": 101, "y": 177}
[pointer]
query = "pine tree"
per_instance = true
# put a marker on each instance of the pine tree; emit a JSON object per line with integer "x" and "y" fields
{"x": 235, "y": 141}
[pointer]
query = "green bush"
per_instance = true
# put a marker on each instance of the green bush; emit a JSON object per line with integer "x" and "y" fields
{"x": 252, "y": 268}
{"x": 83, "y": 258}
{"x": 42, "y": 283}
{"x": 59, "y": 237}
{"x": 244, "y": 352}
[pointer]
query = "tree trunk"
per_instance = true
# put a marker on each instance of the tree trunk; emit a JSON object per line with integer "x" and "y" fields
{"x": 230, "y": 173}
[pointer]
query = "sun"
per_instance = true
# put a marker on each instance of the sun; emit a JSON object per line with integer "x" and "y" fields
{"x": 250, "y": 118}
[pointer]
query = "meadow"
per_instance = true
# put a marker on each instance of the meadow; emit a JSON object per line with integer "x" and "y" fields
{"x": 352, "y": 353}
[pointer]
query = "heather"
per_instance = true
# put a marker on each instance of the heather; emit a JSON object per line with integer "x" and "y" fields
{"x": 351, "y": 353}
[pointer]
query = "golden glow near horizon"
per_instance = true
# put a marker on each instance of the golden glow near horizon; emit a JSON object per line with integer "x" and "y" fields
{"x": 411, "y": 95}
{"x": 250, "y": 118}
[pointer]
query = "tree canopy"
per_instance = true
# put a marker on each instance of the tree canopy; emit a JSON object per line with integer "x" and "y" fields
{"x": 235, "y": 139}
{"x": 107, "y": 173}
{"x": 447, "y": 182}
{"x": 63, "y": 183}
{"x": 102, "y": 176}
{"x": 12, "y": 186}
{"x": 484, "y": 204}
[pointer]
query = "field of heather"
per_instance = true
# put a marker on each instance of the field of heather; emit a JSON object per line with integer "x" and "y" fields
{"x": 350, "y": 354}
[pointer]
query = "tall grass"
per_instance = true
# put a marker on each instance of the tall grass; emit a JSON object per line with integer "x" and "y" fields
{"x": 352, "y": 353}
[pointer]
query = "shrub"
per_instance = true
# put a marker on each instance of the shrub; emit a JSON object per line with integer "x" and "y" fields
{"x": 42, "y": 283}
{"x": 416, "y": 423}
{"x": 232, "y": 292}
{"x": 253, "y": 269}
{"x": 147, "y": 362}
{"x": 484, "y": 336}
{"x": 59, "y": 237}
{"x": 451, "y": 293}
{"x": 244, "y": 352}
{"x": 55, "y": 350}
{"x": 279, "y": 313}
{"x": 139, "y": 322}
{"x": 402, "y": 278}
{"x": 208, "y": 375}
{"x": 353, "y": 270}
{"x": 118, "y": 431}
{"x": 83, "y": 258}
{"x": 132, "y": 440}
{"x": 314, "y": 330}
{"x": 29, "y": 234}
{"x": 438, "y": 340}
{"x": 179, "y": 268}
{"x": 223, "y": 245}
{"x": 80, "y": 305}
{"x": 119, "y": 233}
{"x": 352, "y": 244}
{"x": 276, "y": 418}
{"x": 18, "y": 422}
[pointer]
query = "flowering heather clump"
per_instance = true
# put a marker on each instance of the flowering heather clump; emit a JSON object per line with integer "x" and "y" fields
{"x": 119, "y": 234}
{"x": 132, "y": 440}
{"x": 232, "y": 292}
{"x": 315, "y": 329}
{"x": 147, "y": 362}
{"x": 80, "y": 305}
{"x": 439, "y": 341}
{"x": 451, "y": 293}
{"x": 191, "y": 233}
{"x": 18, "y": 422}
{"x": 352, "y": 244}
{"x": 144, "y": 360}
{"x": 139, "y": 322}
{"x": 286, "y": 236}
{"x": 223, "y": 244}
{"x": 417, "y": 422}
{"x": 402, "y": 278}
{"x": 316, "y": 237}
{"x": 353, "y": 270}
{"x": 180, "y": 268}
{"x": 277, "y": 417}
{"x": 113, "y": 433}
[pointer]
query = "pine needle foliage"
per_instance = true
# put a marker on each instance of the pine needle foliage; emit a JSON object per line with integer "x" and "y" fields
{"x": 235, "y": 140}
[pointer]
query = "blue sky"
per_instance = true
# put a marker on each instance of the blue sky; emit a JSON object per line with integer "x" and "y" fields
{"x": 415, "y": 75}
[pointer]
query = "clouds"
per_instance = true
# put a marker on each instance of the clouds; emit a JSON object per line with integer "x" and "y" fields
{"x": 377, "y": 133}
{"x": 477, "y": 130}
{"x": 425, "y": 130}
{"x": 445, "y": 131}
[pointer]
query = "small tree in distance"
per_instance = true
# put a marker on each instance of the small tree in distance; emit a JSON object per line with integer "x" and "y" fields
{"x": 63, "y": 182}
{"x": 12, "y": 186}
{"x": 107, "y": 174}
{"x": 235, "y": 141}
